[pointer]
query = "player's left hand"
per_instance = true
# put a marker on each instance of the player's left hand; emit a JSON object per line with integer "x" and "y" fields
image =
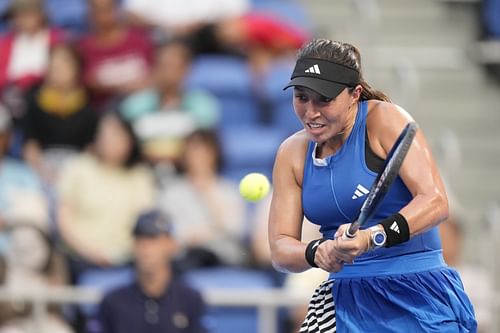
{"x": 350, "y": 248}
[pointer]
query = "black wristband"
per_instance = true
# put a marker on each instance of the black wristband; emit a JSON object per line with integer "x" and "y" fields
{"x": 311, "y": 249}
{"x": 397, "y": 230}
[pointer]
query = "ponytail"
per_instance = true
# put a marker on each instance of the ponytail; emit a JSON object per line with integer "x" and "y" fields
{"x": 371, "y": 93}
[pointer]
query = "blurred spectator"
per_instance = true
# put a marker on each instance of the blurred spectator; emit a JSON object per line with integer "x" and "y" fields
{"x": 100, "y": 195}
{"x": 33, "y": 263}
{"x": 477, "y": 282}
{"x": 21, "y": 193}
{"x": 182, "y": 18}
{"x": 117, "y": 59}
{"x": 165, "y": 113}
{"x": 24, "y": 51}
{"x": 207, "y": 210}
{"x": 262, "y": 37}
{"x": 58, "y": 120}
{"x": 32, "y": 259}
{"x": 156, "y": 302}
{"x": 269, "y": 42}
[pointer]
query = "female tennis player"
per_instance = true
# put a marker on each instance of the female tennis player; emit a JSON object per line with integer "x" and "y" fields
{"x": 391, "y": 277}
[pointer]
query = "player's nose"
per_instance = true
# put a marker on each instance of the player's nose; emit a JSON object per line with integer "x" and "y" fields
{"x": 311, "y": 111}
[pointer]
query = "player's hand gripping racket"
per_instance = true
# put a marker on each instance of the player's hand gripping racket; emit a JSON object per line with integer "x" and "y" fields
{"x": 385, "y": 178}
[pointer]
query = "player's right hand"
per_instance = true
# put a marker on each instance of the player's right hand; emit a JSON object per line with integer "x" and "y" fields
{"x": 328, "y": 257}
{"x": 350, "y": 248}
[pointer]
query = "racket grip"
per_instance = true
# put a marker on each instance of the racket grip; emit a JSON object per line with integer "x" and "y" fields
{"x": 351, "y": 231}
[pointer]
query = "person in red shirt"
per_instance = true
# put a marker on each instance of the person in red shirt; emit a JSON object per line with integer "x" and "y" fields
{"x": 117, "y": 59}
{"x": 24, "y": 57}
{"x": 24, "y": 50}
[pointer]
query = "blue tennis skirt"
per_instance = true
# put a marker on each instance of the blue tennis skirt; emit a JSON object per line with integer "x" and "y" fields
{"x": 411, "y": 294}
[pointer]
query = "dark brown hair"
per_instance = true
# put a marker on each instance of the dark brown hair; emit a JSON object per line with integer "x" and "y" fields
{"x": 343, "y": 54}
{"x": 209, "y": 138}
{"x": 135, "y": 154}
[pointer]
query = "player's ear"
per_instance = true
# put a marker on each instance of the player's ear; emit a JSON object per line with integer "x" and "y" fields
{"x": 355, "y": 92}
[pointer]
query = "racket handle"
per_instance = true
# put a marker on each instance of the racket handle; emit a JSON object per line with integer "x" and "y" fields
{"x": 351, "y": 231}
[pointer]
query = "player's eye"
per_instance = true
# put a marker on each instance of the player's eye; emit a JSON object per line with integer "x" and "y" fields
{"x": 301, "y": 97}
{"x": 325, "y": 100}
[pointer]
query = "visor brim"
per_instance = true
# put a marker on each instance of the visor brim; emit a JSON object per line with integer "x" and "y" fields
{"x": 325, "y": 88}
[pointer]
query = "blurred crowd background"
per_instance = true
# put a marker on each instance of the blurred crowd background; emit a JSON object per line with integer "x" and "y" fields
{"x": 125, "y": 126}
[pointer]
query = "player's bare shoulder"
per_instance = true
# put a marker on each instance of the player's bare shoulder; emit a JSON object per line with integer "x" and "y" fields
{"x": 382, "y": 115}
{"x": 384, "y": 122}
{"x": 295, "y": 146}
{"x": 292, "y": 152}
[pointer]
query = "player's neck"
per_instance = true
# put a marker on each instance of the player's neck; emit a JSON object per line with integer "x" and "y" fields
{"x": 335, "y": 142}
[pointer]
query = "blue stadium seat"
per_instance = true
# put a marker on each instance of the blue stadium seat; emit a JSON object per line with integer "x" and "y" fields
{"x": 283, "y": 116}
{"x": 68, "y": 14}
{"x": 249, "y": 149}
{"x": 4, "y": 4}
{"x": 229, "y": 79}
{"x": 227, "y": 319}
{"x": 288, "y": 11}
{"x": 491, "y": 17}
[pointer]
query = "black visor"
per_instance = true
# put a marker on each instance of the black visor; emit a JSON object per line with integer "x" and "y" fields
{"x": 325, "y": 77}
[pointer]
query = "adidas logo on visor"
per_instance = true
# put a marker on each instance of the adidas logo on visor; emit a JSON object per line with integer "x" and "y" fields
{"x": 313, "y": 69}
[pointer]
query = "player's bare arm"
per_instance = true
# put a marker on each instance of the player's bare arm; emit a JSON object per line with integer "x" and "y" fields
{"x": 286, "y": 215}
{"x": 419, "y": 171}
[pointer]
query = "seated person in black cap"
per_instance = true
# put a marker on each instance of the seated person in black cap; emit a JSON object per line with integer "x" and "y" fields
{"x": 155, "y": 302}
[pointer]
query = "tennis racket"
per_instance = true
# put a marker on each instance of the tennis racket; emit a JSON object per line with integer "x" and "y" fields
{"x": 385, "y": 178}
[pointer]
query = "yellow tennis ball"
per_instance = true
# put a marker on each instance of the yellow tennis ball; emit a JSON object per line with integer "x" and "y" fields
{"x": 254, "y": 187}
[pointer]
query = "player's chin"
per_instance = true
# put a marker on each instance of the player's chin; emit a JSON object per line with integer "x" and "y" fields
{"x": 318, "y": 138}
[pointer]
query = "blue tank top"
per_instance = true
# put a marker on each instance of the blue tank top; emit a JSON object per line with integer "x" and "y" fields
{"x": 334, "y": 188}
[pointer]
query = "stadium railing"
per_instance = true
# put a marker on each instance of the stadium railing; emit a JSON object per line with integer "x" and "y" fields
{"x": 267, "y": 301}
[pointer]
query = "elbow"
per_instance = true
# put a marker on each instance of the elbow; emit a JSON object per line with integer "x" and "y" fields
{"x": 278, "y": 263}
{"x": 285, "y": 267}
{"x": 284, "y": 263}
{"x": 278, "y": 267}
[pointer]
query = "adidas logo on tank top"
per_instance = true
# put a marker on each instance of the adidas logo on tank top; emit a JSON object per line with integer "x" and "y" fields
{"x": 359, "y": 192}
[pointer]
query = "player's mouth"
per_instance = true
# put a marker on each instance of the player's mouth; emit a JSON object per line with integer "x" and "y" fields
{"x": 315, "y": 127}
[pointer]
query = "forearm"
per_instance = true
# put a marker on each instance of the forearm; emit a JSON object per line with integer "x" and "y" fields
{"x": 288, "y": 255}
{"x": 425, "y": 212}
